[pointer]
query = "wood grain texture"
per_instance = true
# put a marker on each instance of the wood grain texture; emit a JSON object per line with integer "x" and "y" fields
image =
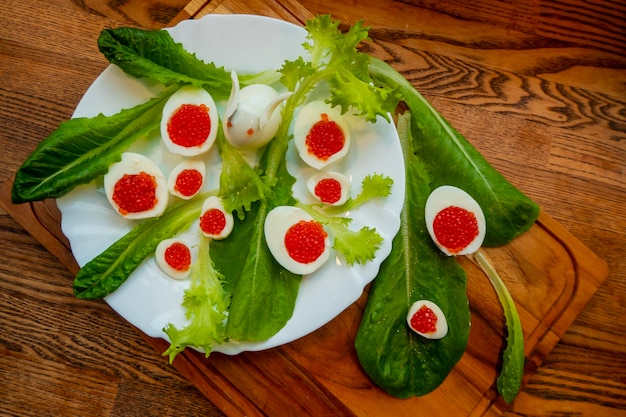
{"x": 537, "y": 88}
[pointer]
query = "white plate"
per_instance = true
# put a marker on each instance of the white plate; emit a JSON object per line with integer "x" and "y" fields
{"x": 149, "y": 299}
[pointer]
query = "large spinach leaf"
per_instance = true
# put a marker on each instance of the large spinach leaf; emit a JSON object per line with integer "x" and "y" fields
{"x": 451, "y": 160}
{"x": 401, "y": 362}
{"x": 82, "y": 149}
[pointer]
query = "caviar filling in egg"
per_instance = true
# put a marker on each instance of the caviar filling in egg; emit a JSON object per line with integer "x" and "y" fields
{"x": 426, "y": 319}
{"x": 325, "y": 138}
{"x": 136, "y": 187}
{"x": 215, "y": 221}
{"x": 455, "y": 221}
{"x": 298, "y": 242}
{"x": 174, "y": 257}
{"x": 189, "y": 121}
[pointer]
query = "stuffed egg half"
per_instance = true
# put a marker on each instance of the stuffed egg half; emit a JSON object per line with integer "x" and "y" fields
{"x": 455, "y": 221}
{"x": 135, "y": 187}
{"x": 297, "y": 242}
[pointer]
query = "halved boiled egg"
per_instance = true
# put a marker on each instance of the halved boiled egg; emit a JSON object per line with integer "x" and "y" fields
{"x": 455, "y": 221}
{"x": 321, "y": 134}
{"x": 186, "y": 178}
{"x": 252, "y": 114}
{"x": 329, "y": 187}
{"x": 136, "y": 187}
{"x": 297, "y": 242}
{"x": 215, "y": 221}
{"x": 174, "y": 257}
{"x": 189, "y": 121}
{"x": 426, "y": 319}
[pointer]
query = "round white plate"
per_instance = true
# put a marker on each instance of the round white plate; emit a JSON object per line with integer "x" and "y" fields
{"x": 149, "y": 299}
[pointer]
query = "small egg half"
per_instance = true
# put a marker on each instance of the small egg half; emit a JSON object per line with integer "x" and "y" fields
{"x": 215, "y": 221}
{"x": 186, "y": 179}
{"x": 297, "y": 242}
{"x": 174, "y": 257}
{"x": 136, "y": 187}
{"x": 321, "y": 134}
{"x": 189, "y": 122}
{"x": 455, "y": 221}
{"x": 426, "y": 319}
{"x": 330, "y": 187}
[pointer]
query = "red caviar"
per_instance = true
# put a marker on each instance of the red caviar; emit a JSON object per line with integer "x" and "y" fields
{"x": 455, "y": 228}
{"x": 424, "y": 320}
{"x": 213, "y": 221}
{"x": 188, "y": 182}
{"x": 178, "y": 256}
{"x": 328, "y": 190}
{"x": 190, "y": 125}
{"x": 134, "y": 193}
{"x": 304, "y": 241}
{"x": 325, "y": 138}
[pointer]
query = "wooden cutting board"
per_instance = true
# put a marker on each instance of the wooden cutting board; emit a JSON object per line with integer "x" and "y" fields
{"x": 550, "y": 274}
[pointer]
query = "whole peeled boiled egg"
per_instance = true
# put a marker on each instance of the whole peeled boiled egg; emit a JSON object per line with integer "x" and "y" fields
{"x": 186, "y": 179}
{"x": 329, "y": 187}
{"x": 455, "y": 221}
{"x": 321, "y": 134}
{"x": 215, "y": 221}
{"x": 252, "y": 115}
{"x": 174, "y": 257}
{"x": 136, "y": 187}
{"x": 298, "y": 242}
{"x": 426, "y": 319}
{"x": 189, "y": 122}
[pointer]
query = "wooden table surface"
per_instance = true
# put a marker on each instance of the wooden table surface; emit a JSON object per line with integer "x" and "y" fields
{"x": 539, "y": 88}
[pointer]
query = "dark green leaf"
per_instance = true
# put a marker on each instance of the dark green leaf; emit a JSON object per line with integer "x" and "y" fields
{"x": 82, "y": 149}
{"x": 398, "y": 360}
{"x": 154, "y": 54}
{"x": 451, "y": 160}
{"x": 107, "y": 271}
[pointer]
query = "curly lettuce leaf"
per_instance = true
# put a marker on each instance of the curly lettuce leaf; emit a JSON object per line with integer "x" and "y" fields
{"x": 110, "y": 269}
{"x": 334, "y": 59}
{"x": 206, "y": 307}
{"x": 154, "y": 54}
{"x": 82, "y": 149}
{"x": 451, "y": 160}
{"x": 240, "y": 184}
{"x": 398, "y": 360}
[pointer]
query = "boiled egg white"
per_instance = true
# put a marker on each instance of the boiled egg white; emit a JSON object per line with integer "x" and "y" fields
{"x": 174, "y": 257}
{"x": 136, "y": 187}
{"x": 186, "y": 179}
{"x": 252, "y": 115}
{"x": 321, "y": 117}
{"x": 189, "y": 122}
{"x": 426, "y": 319}
{"x": 455, "y": 221}
{"x": 330, "y": 187}
{"x": 298, "y": 245}
{"x": 215, "y": 221}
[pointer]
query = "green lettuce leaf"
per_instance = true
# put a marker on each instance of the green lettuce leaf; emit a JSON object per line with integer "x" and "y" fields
{"x": 82, "y": 149}
{"x": 451, "y": 160}
{"x": 154, "y": 54}
{"x": 264, "y": 293}
{"x": 398, "y": 360}
{"x": 110, "y": 269}
{"x": 206, "y": 308}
